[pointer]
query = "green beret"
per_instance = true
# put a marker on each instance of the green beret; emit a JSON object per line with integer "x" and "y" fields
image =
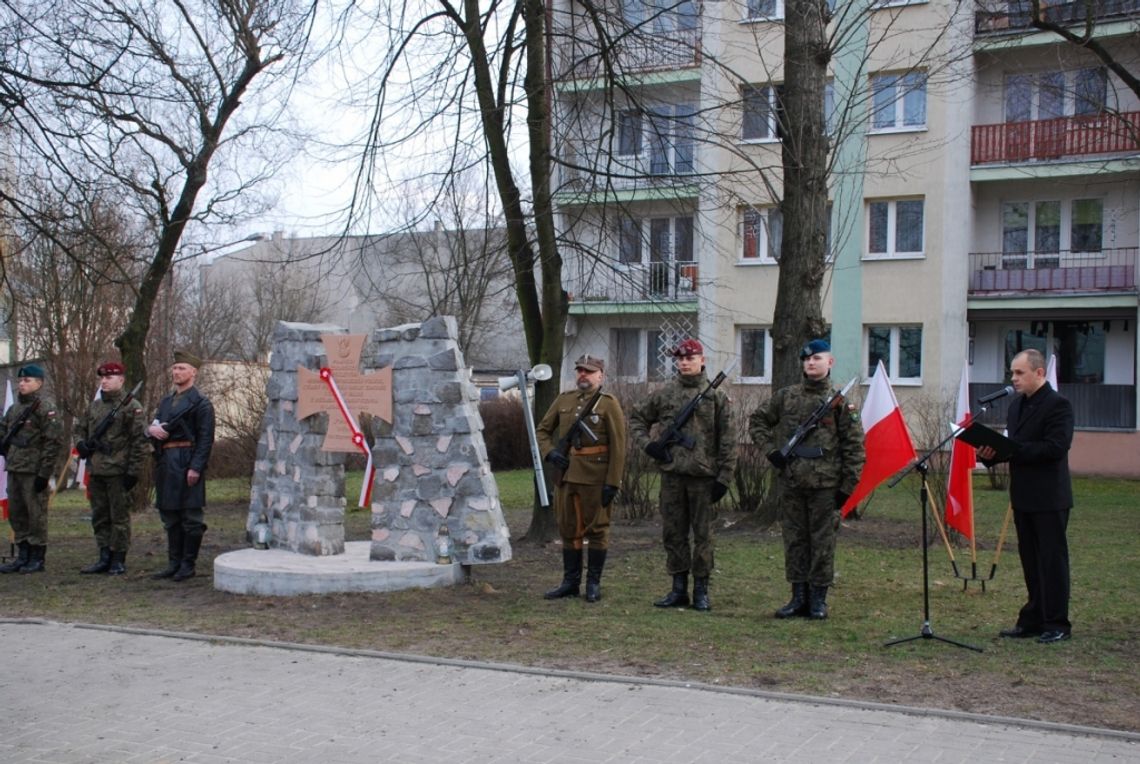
{"x": 30, "y": 370}
{"x": 182, "y": 356}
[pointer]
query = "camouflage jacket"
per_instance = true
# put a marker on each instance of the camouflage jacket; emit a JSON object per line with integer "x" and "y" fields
{"x": 839, "y": 434}
{"x": 600, "y": 463}
{"x": 714, "y": 454}
{"x": 123, "y": 447}
{"x": 38, "y": 445}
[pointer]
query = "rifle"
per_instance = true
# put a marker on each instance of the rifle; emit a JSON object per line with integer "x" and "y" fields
{"x": 660, "y": 449}
{"x": 18, "y": 425}
{"x": 782, "y": 457}
{"x": 173, "y": 421}
{"x": 573, "y": 436}
{"x": 88, "y": 446}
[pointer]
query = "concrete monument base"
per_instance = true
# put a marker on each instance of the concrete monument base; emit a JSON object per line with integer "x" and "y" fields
{"x": 277, "y": 572}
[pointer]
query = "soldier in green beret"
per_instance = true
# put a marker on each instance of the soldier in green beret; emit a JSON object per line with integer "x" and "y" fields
{"x": 692, "y": 480}
{"x": 114, "y": 462}
{"x": 34, "y": 444}
{"x": 592, "y": 474}
{"x": 813, "y": 486}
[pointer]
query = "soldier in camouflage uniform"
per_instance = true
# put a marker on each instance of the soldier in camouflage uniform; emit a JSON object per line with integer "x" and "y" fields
{"x": 114, "y": 462}
{"x": 821, "y": 474}
{"x": 592, "y": 473}
{"x": 693, "y": 480}
{"x": 32, "y": 452}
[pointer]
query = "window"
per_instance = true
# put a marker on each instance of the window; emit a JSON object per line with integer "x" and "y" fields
{"x": 900, "y": 350}
{"x": 895, "y": 228}
{"x": 762, "y": 112}
{"x": 1055, "y": 94}
{"x": 765, "y": 9}
{"x": 671, "y": 149}
{"x": 1087, "y": 227}
{"x": 625, "y": 349}
{"x": 762, "y": 232}
{"x": 754, "y": 345}
{"x": 629, "y": 133}
{"x": 898, "y": 101}
{"x": 629, "y": 240}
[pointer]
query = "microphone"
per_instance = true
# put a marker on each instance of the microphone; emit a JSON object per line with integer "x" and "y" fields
{"x": 1007, "y": 390}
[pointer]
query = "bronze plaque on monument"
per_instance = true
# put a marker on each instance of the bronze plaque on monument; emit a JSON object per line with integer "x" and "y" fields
{"x": 358, "y": 393}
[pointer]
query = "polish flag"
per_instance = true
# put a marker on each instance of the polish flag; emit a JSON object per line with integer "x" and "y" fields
{"x": 1051, "y": 372}
{"x": 81, "y": 476}
{"x": 8, "y": 399}
{"x": 886, "y": 439}
{"x": 963, "y": 460}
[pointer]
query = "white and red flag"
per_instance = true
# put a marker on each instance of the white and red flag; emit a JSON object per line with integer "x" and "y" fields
{"x": 8, "y": 399}
{"x": 1051, "y": 372}
{"x": 963, "y": 460}
{"x": 886, "y": 439}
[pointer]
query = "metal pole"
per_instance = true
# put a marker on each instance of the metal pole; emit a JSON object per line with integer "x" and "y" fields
{"x": 539, "y": 477}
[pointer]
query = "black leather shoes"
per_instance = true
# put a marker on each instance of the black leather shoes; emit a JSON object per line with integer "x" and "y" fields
{"x": 1020, "y": 632}
{"x": 1050, "y": 637}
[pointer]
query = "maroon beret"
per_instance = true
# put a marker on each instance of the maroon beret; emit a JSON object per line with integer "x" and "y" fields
{"x": 110, "y": 369}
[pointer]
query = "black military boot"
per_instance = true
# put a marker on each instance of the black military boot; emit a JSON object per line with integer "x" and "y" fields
{"x": 818, "y": 603}
{"x": 571, "y": 576}
{"x": 701, "y": 594}
{"x": 102, "y": 564}
{"x": 35, "y": 563}
{"x": 679, "y": 595}
{"x": 19, "y": 562}
{"x": 173, "y": 553}
{"x": 118, "y": 564}
{"x": 191, "y": 543}
{"x": 797, "y": 605}
{"x": 595, "y": 562}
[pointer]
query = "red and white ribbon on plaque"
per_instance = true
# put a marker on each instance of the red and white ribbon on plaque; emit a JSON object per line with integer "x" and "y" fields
{"x": 357, "y": 437}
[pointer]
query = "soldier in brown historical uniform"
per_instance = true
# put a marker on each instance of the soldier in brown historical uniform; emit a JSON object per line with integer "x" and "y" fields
{"x": 592, "y": 463}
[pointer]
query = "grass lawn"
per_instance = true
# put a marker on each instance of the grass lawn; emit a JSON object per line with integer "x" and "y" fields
{"x": 878, "y": 596}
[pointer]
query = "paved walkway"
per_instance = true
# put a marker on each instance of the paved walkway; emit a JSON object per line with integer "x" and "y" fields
{"x": 88, "y": 694}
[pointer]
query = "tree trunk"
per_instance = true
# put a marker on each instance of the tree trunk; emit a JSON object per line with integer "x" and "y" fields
{"x": 799, "y": 312}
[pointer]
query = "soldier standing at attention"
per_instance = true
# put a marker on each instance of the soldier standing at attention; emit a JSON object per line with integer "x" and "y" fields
{"x": 592, "y": 464}
{"x": 692, "y": 481}
{"x": 812, "y": 487}
{"x": 32, "y": 440}
{"x": 183, "y": 433}
{"x": 114, "y": 460}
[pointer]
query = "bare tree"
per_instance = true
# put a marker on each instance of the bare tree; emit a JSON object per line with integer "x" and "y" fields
{"x": 1077, "y": 24}
{"x": 142, "y": 100}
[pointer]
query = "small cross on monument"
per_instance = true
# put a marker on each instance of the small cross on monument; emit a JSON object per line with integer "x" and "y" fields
{"x": 359, "y": 393}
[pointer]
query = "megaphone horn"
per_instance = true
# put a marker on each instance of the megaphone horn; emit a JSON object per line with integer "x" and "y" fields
{"x": 508, "y": 383}
{"x": 541, "y": 372}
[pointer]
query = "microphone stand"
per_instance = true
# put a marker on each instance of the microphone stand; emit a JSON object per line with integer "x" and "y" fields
{"x": 921, "y": 466}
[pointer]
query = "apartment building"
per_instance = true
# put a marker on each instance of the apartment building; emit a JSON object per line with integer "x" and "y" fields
{"x": 985, "y": 195}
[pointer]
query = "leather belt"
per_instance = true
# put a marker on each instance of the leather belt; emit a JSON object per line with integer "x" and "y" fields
{"x": 177, "y": 444}
{"x": 590, "y": 450}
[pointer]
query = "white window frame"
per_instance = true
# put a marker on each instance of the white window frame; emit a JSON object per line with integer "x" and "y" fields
{"x": 892, "y": 231}
{"x": 776, "y": 15}
{"x": 1036, "y": 83}
{"x": 764, "y": 255}
{"x": 893, "y": 366}
{"x": 905, "y": 84}
{"x": 640, "y": 372}
{"x": 880, "y": 4}
{"x": 766, "y": 379}
{"x": 771, "y": 93}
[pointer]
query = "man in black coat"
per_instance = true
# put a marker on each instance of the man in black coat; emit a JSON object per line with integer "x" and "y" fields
{"x": 1041, "y": 421}
{"x": 183, "y": 435}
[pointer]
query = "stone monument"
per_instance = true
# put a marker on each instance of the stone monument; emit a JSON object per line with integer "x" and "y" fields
{"x": 428, "y": 462}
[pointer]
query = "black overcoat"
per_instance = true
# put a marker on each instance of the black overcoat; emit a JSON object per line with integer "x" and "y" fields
{"x": 194, "y": 426}
{"x": 1039, "y": 470}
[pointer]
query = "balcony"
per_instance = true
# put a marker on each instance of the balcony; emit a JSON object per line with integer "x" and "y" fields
{"x": 1009, "y": 274}
{"x": 636, "y": 53}
{"x": 1095, "y": 405}
{"x": 1016, "y": 16}
{"x": 1051, "y": 139}
{"x": 597, "y": 284}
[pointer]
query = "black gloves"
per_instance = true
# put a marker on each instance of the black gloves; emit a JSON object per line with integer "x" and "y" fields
{"x": 718, "y": 491}
{"x": 609, "y": 493}
{"x": 40, "y": 484}
{"x": 129, "y": 482}
{"x": 84, "y": 449}
{"x": 558, "y": 459}
{"x": 658, "y": 452}
{"x": 841, "y": 499}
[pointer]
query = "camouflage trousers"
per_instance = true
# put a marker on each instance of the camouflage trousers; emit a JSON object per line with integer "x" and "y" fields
{"x": 686, "y": 506}
{"x": 110, "y": 512}
{"x": 580, "y": 515}
{"x": 809, "y": 520}
{"x": 27, "y": 509}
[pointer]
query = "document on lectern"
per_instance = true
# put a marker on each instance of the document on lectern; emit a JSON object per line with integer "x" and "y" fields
{"x": 978, "y": 435}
